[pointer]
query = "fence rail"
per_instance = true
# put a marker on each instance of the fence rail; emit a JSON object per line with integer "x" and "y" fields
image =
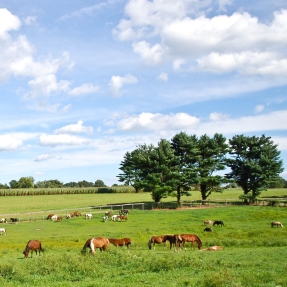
{"x": 42, "y": 215}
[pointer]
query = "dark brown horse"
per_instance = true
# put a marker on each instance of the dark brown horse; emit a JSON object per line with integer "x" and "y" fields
{"x": 121, "y": 242}
{"x": 93, "y": 243}
{"x": 191, "y": 238}
{"x": 175, "y": 240}
{"x": 31, "y": 246}
{"x": 156, "y": 239}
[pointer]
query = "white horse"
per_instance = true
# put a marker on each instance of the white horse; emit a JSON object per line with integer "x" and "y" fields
{"x": 114, "y": 217}
{"x": 105, "y": 218}
{"x": 54, "y": 217}
{"x": 89, "y": 216}
{"x": 3, "y": 220}
{"x": 2, "y": 231}
{"x": 206, "y": 222}
{"x": 276, "y": 223}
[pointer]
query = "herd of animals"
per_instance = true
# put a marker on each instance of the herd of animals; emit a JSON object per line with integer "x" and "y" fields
{"x": 176, "y": 241}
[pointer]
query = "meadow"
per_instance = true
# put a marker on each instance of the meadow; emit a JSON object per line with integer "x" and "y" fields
{"x": 254, "y": 254}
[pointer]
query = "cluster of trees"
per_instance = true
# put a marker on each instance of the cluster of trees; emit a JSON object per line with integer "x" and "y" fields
{"x": 28, "y": 182}
{"x": 187, "y": 161}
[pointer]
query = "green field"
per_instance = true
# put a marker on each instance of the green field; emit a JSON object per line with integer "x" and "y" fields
{"x": 254, "y": 254}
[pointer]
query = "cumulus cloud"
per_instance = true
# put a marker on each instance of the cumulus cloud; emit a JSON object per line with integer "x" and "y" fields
{"x": 117, "y": 82}
{"x": 9, "y": 143}
{"x": 62, "y": 140}
{"x": 84, "y": 89}
{"x": 74, "y": 128}
{"x": 150, "y": 121}
{"x": 44, "y": 157}
{"x": 168, "y": 31}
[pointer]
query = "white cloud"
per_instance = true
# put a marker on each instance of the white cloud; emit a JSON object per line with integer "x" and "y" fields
{"x": 44, "y": 157}
{"x": 74, "y": 128}
{"x": 117, "y": 82}
{"x": 149, "y": 121}
{"x": 258, "y": 109}
{"x": 217, "y": 116}
{"x": 151, "y": 55}
{"x": 224, "y": 3}
{"x": 9, "y": 143}
{"x": 8, "y": 22}
{"x": 61, "y": 140}
{"x": 163, "y": 77}
{"x": 84, "y": 89}
{"x": 30, "y": 20}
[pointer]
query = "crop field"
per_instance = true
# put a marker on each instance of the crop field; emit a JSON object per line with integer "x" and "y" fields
{"x": 254, "y": 254}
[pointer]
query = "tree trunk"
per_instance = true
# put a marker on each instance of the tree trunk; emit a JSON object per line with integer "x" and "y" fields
{"x": 178, "y": 196}
{"x": 203, "y": 190}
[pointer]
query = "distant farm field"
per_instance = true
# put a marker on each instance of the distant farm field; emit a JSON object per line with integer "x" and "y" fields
{"x": 253, "y": 253}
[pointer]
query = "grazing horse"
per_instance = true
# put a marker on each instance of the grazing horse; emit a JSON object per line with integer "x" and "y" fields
{"x": 14, "y": 220}
{"x": 218, "y": 223}
{"x": 50, "y": 216}
{"x": 124, "y": 212}
{"x": 77, "y": 213}
{"x": 156, "y": 240}
{"x": 54, "y": 217}
{"x": 213, "y": 248}
{"x": 114, "y": 217}
{"x": 2, "y": 231}
{"x": 88, "y": 216}
{"x": 191, "y": 238}
{"x": 93, "y": 243}
{"x": 174, "y": 240}
{"x": 122, "y": 217}
{"x": 105, "y": 218}
{"x": 276, "y": 223}
{"x": 108, "y": 214}
{"x": 208, "y": 222}
{"x": 59, "y": 218}
{"x": 3, "y": 220}
{"x": 31, "y": 246}
{"x": 207, "y": 229}
{"x": 121, "y": 242}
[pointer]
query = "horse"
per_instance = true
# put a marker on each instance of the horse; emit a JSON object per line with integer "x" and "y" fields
{"x": 208, "y": 222}
{"x": 77, "y": 213}
{"x": 69, "y": 216}
{"x": 124, "y": 212}
{"x": 213, "y": 248}
{"x": 191, "y": 238}
{"x": 59, "y": 218}
{"x": 3, "y": 220}
{"x": 2, "y": 231}
{"x": 105, "y": 218}
{"x": 54, "y": 217}
{"x": 50, "y": 216}
{"x": 31, "y": 246}
{"x": 93, "y": 243}
{"x": 174, "y": 240}
{"x": 13, "y": 220}
{"x": 108, "y": 214}
{"x": 88, "y": 216}
{"x": 121, "y": 242}
{"x": 208, "y": 229}
{"x": 122, "y": 217}
{"x": 218, "y": 223}
{"x": 156, "y": 240}
{"x": 276, "y": 223}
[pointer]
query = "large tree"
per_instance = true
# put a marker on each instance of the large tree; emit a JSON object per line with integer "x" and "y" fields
{"x": 185, "y": 151}
{"x": 255, "y": 163}
{"x": 211, "y": 156}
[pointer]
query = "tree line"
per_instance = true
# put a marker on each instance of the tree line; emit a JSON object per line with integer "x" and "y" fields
{"x": 186, "y": 161}
{"x": 28, "y": 182}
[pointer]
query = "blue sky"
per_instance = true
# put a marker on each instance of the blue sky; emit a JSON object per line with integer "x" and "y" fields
{"x": 83, "y": 82}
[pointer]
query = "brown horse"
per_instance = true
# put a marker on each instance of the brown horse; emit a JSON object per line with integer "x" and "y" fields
{"x": 122, "y": 217}
{"x": 31, "y": 246}
{"x": 191, "y": 238}
{"x": 121, "y": 242}
{"x": 93, "y": 243}
{"x": 156, "y": 240}
{"x": 50, "y": 216}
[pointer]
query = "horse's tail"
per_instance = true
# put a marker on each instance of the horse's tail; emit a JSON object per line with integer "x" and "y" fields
{"x": 149, "y": 244}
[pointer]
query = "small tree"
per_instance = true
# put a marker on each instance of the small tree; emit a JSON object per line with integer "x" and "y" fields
{"x": 99, "y": 183}
{"x": 255, "y": 164}
{"x": 26, "y": 182}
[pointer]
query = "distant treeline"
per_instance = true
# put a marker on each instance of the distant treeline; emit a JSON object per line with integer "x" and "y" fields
{"x": 57, "y": 191}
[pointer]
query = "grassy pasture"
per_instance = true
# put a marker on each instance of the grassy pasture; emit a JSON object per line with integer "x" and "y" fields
{"x": 254, "y": 254}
